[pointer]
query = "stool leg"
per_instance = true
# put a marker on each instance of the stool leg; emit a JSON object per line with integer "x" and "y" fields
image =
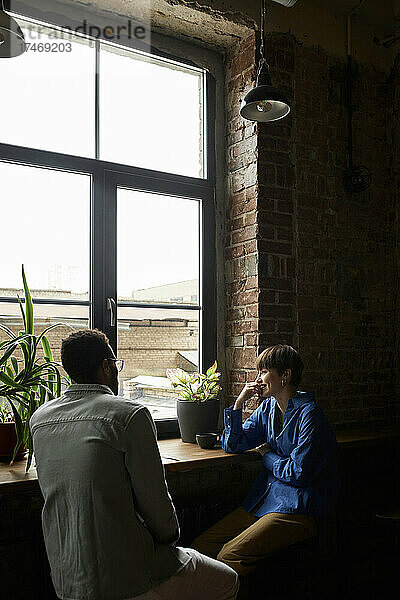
{"x": 243, "y": 588}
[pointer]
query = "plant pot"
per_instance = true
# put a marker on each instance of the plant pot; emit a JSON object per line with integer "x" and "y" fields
{"x": 197, "y": 418}
{"x": 8, "y": 439}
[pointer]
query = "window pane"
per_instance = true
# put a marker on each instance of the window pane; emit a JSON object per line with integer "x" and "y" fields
{"x": 158, "y": 248}
{"x": 45, "y": 315}
{"x": 46, "y": 216}
{"x": 150, "y": 113}
{"x": 150, "y": 341}
{"x": 48, "y": 93}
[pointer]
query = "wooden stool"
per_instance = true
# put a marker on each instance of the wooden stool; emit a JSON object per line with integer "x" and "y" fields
{"x": 391, "y": 514}
{"x": 289, "y": 574}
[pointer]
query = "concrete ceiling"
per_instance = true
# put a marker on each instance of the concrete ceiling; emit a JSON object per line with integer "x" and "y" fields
{"x": 222, "y": 23}
{"x": 376, "y": 13}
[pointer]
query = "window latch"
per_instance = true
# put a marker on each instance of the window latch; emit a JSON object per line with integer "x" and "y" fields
{"x": 112, "y": 307}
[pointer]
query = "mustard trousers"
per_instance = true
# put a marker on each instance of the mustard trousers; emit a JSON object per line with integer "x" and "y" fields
{"x": 241, "y": 540}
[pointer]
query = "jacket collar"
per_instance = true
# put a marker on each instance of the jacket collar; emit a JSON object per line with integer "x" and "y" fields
{"x": 88, "y": 388}
{"x": 297, "y": 400}
{"x": 294, "y": 403}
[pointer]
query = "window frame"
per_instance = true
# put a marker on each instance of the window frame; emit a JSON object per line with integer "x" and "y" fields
{"x": 106, "y": 176}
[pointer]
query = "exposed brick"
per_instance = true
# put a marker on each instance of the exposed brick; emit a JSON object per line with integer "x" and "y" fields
{"x": 251, "y": 311}
{"x": 267, "y": 325}
{"x": 247, "y": 297}
{"x": 275, "y": 247}
{"x": 246, "y": 233}
{"x": 245, "y": 358}
{"x": 251, "y": 339}
{"x": 324, "y": 262}
{"x": 276, "y": 311}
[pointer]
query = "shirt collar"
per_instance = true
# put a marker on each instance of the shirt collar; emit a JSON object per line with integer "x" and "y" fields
{"x": 88, "y": 388}
{"x": 290, "y": 403}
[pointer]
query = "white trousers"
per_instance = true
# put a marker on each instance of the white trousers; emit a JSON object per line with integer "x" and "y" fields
{"x": 203, "y": 578}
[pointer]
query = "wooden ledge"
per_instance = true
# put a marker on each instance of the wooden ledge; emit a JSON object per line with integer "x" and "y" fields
{"x": 179, "y": 456}
{"x": 176, "y": 456}
{"x": 366, "y": 436}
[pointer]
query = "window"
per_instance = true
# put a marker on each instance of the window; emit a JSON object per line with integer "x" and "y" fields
{"x": 168, "y": 236}
{"x": 54, "y": 247}
{"x": 110, "y": 185}
{"x": 50, "y": 99}
{"x": 140, "y": 120}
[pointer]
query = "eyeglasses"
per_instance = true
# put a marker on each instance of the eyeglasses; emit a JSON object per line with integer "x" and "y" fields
{"x": 119, "y": 363}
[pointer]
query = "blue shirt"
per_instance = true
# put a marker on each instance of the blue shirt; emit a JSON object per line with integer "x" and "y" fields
{"x": 299, "y": 475}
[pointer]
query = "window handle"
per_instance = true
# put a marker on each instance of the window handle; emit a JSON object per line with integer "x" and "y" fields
{"x": 112, "y": 307}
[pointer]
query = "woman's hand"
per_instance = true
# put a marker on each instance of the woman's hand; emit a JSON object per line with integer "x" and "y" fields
{"x": 263, "y": 449}
{"x": 248, "y": 391}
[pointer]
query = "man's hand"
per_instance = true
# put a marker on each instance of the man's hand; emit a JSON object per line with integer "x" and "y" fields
{"x": 263, "y": 449}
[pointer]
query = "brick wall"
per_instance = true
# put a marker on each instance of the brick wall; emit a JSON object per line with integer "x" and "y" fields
{"x": 393, "y": 121}
{"x": 153, "y": 349}
{"x": 345, "y": 251}
{"x": 321, "y": 261}
{"x": 241, "y": 257}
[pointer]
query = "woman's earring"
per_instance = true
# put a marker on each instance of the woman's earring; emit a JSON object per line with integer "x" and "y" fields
{"x": 283, "y": 382}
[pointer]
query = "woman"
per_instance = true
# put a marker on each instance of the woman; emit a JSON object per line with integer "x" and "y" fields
{"x": 291, "y": 496}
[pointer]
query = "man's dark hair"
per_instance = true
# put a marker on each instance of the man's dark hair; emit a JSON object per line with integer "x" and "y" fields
{"x": 282, "y": 357}
{"x": 83, "y": 352}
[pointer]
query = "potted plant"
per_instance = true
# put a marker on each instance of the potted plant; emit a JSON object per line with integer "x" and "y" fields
{"x": 198, "y": 404}
{"x": 27, "y": 379}
{"x": 8, "y": 437}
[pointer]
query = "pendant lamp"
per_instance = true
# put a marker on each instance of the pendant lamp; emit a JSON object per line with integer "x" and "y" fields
{"x": 264, "y": 103}
{"x": 12, "y": 41}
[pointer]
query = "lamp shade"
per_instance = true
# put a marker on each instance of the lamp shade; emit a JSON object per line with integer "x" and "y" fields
{"x": 264, "y": 102}
{"x": 12, "y": 41}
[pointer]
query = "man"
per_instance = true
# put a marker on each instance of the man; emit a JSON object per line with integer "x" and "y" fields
{"x": 108, "y": 521}
{"x": 290, "y": 500}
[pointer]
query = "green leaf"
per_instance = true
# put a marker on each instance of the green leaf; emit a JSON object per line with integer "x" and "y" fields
{"x": 14, "y": 363}
{"x": 9, "y": 371}
{"x": 57, "y": 387}
{"x": 7, "y": 330}
{"x": 19, "y": 429}
{"x": 7, "y": 354}
{"x": 5, "y": 378}
{"x": 22, "y": 312}
{"x": 10, "y": 383}
{"x": 46, "y": 347}
{"x": 29, "y": 381}
{"x": 28, "y": 347}
{"x": 18, "y": 397}
{"x": 43, "y": 334}
{"x": 212, "y": 369}
{"x": 44, "y": 389}
{"x": 29, "y": 461}
{"x": 42, "y": 395}
{"x": 29, "y": 304}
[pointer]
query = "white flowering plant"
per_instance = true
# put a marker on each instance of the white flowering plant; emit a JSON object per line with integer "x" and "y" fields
{"x": 195, "y": 387}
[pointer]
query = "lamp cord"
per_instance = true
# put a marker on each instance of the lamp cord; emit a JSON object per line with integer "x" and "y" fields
{"x": 262, "y": 45}
{"x": 350, "y": 86}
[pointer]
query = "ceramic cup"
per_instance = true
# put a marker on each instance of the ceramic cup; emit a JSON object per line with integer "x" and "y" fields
{"x": 207, "y": 440}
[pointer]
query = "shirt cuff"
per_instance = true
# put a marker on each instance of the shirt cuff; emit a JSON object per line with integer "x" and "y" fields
{"x": 233, "y": 419}
{"x": 269, "y": 459}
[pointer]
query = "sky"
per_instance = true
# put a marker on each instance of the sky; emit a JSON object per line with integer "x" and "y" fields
{"x": 48, "y": 98}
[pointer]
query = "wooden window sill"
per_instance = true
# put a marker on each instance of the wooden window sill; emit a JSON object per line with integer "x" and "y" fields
{"x": 180, "y": 456}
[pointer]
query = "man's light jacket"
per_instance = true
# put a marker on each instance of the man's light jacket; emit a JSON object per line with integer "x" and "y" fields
{"x": 299, "y": 475}
{"x": 108, "y": 521}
